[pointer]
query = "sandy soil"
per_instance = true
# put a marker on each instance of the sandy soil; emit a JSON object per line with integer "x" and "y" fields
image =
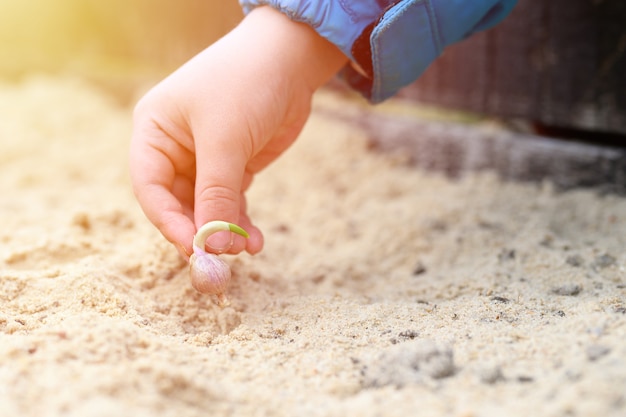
{"x": 382, "y": 291}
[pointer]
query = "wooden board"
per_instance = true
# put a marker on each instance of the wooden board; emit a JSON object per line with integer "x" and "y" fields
{"x": 559, "y": 62}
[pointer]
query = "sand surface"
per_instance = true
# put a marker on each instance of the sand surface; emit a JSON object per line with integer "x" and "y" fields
{"x": 381, "y": 291}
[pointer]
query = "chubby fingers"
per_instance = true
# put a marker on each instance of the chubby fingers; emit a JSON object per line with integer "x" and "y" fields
{"x": 163, "y": 193}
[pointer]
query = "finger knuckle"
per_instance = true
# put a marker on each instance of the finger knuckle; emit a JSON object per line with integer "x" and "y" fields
{"x": 218, "y": 199}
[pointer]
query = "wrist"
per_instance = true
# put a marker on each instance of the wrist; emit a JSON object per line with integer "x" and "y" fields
{"x": 305, "y": 53}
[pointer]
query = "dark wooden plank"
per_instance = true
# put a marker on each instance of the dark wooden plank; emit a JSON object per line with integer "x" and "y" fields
{"x": 559, "y": 62}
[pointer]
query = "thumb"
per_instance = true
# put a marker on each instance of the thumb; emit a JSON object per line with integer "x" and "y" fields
{"x": 220, "y": 169}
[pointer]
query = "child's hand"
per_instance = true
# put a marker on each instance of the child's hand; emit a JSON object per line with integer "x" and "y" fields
{"x": 202, "y": 133}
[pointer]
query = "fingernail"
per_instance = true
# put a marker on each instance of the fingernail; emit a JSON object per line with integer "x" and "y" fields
{"x": 182, "y": 251}
{"x": 220, "y": 242}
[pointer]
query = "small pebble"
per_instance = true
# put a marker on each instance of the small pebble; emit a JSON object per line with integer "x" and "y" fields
{"x": 491, "y": 375}
{"x": 408, "y": 363}
{"x": 595, "y": 352}
{"x": 604, "y": 261}
{"x": 567, "y": 289}
{"x": 419, "y": 269}
{"x": 619, "y": 309}
{"x": 82, "y": 220}
{"x": 575, "y": 260}
{"x": 506, "y": 255}
{"x": 408, "y": 334}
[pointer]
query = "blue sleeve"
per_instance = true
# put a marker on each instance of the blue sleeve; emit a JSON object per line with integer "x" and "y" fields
{"x": 390, "y": 43}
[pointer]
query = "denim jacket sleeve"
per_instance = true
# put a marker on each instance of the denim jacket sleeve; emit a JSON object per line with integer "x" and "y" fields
{"x": 390, "y": 43}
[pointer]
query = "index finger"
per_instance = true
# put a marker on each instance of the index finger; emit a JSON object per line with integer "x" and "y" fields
{"x": 163, "y": 192}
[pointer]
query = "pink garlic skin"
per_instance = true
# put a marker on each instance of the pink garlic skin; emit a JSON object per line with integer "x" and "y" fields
{"x": 209, "y": 274}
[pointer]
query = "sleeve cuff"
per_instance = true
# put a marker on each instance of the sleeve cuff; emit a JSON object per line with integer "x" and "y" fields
{"x": 413, "y": 33}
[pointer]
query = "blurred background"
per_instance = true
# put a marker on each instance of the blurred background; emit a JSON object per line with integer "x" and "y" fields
{"x": 560, "y": 64}
{"x": 117, "y": 43}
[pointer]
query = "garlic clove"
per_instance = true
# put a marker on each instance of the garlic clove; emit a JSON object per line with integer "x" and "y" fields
{"x": 209, "y": 273}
